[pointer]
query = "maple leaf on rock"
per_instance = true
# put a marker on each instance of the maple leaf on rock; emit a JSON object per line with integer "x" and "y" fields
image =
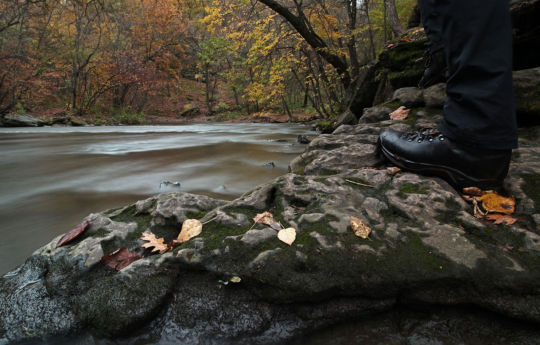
{"x": 121, "y": 258}
{"x": 152, "y": 241}
{"x": 73, "y": 234}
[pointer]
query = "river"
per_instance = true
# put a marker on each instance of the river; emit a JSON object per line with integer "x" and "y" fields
{"x": 52, "y": 177}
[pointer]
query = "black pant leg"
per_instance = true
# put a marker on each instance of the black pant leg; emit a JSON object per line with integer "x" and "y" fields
{"x": 477, "y": 38}
{"x": 432, "y": 22}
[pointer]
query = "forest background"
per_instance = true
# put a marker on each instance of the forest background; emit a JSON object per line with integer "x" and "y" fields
{"x": 125, "y": 61}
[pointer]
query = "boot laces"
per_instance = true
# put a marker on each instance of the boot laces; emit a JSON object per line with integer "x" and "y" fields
{"x": 424, "y": 134}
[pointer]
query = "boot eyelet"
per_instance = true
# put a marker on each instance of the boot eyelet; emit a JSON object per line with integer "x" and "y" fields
{"x": 409, "y": 140}
{"x": 441, "y": 138}
{"x": 420, "y": 140}
{"x": 430, "y": 139}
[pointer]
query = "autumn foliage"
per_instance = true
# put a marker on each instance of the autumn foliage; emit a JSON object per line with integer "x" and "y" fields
{"x": 88, "y": 57}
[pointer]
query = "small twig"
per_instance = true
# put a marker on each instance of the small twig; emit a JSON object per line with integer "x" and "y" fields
{"x": 360, "y": 184}
{"x": 208, "y": 221}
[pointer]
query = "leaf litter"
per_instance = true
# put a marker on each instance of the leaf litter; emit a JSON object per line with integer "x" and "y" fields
{"x": 400, "y": 113}
{"x": 491, "y": 206}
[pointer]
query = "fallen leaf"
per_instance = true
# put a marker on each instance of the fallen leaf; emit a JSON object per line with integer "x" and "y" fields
{"x": 73, "y": 234}
{"x": 190, "y": 229}
{"x": 360, "y": 229}
{"x": 265, "y": 218}
{"x": 287, "y": 235}
{"x": 268, "y": 219}
{"x": 400, "y": 113}
{"x": 153, "y": 241}
{"x": 475, "y": 191}
{"x": 478, "y": 213}
{"x": 498, "y": 218}
{"x": 120, "y": 258}
{"x": 494, "y": 203}
{"x": 392, "y": 170}
{"x": 235, "y": 279}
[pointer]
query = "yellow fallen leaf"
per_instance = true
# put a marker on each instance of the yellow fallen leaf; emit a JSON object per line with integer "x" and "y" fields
{"x": 494, "y": 203}
{"x": 498, "y": 218}
{"x": 153, "y": 241}
{"x": 235, "y": 279}
{"x": 190, "y": 228}
{"x": 287, "y": 235}
{"x": 360, "y": 229}
{"x": 400, "y": 113}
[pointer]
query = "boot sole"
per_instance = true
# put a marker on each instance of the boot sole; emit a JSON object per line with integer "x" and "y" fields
{"x": 453, "y": 176}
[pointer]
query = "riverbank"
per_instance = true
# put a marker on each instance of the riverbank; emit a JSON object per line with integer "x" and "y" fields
{"x": 237, "y": 282}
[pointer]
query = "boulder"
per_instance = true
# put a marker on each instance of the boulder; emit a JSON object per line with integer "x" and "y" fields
{"x": 527, "y": 95}
{"x": 409, "y": 97}
{"x": 375, "y": 114}
{"x": 21, "y": 120}
{"x": 426, "y": 250}
{"x": 435, "y": 96}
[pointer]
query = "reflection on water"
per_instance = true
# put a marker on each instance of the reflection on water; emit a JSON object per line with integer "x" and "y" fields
{"x": 51, "y": 178}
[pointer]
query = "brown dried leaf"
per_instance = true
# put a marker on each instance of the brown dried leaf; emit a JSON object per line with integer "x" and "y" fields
{"x": 474, "y": 191}
{"x": 400, "y": 113}
{"x": 120, "y": 258}
{"x": 73, "y": 234}
{"x": 498, "y": 218}
{"x": 157, "y": 243}
{"x": 265, "y": 218}
{"x": 478, "y": 213}
{"x": 190, "y": 229}
{"x": 494, "y": 203}
{"x": 392, "y": 170}
{"x": 360, "y": 229}
{"x": 287, "y": 235}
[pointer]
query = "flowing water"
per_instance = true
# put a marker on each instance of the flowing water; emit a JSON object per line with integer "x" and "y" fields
{"x": 51, "y": 178}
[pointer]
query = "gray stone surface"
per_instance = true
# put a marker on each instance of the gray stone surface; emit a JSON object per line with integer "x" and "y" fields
{"x": 409, "y": 96}
{"x": 426, "y": 248}
{"x": 375, "y": 114}
{"x": 435, "y": 96}
{"x": 20, "y": 120}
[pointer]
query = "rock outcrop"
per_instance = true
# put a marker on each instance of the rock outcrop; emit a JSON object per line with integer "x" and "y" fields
{"x": 20, "y": 120}
{"x": 426, "y": 249}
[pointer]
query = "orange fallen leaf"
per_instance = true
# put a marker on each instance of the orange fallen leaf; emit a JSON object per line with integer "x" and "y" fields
{"x": 190, "y": 228}
{"x": 498, "y": 218}
{"x": 494, "y": 203}
{"x": 153, "y": 241}
{"x": 400, "y": 113}
{"x": 360, "y": 229}
{"x": 120, "y": 258}
{"x": 73, "y": 234}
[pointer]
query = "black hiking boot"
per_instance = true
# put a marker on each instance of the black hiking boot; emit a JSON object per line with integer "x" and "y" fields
{"x": 435, "y": 71}
{"x": 431, "y": 153}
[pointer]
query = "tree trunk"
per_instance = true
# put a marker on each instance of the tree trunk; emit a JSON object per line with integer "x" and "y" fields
{"x": 393, "y": 18}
